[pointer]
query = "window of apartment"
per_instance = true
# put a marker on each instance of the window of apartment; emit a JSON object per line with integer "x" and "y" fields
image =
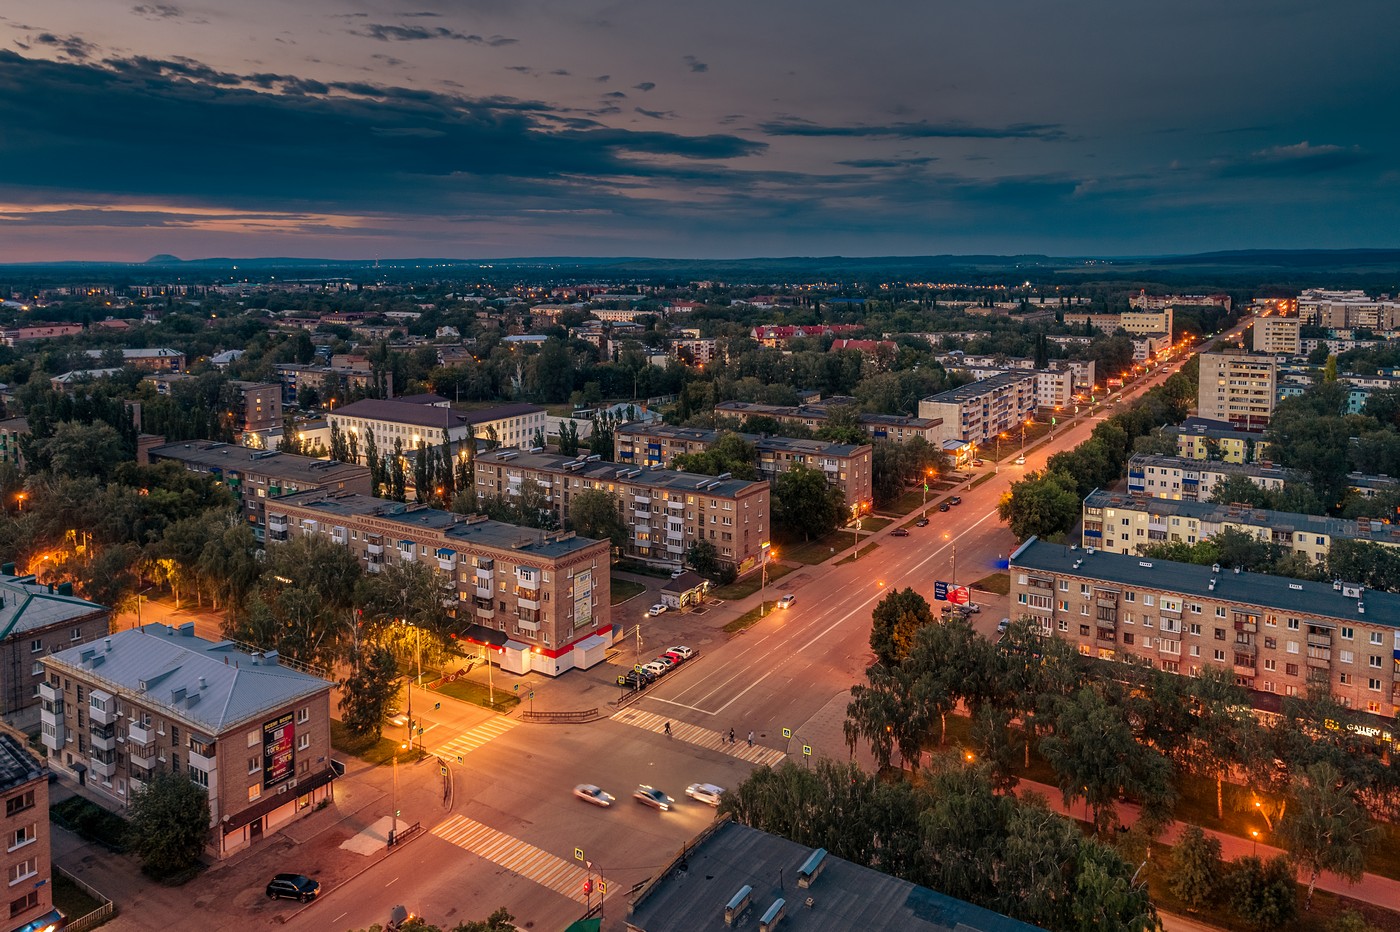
{"x": 19, "y": 803}
{"x": 1195, "y": 629}
{"x": 1220, "y": 611}
{"x": 1346, "y": 656}
{"x": 21, "y": 836}
{"x": 1291, "y": 669}
{"x": 303, "y": 715}
{"x": 303, "y": 742}
{"x": 1064, "y": 585}
{"x": 1348, "y": 633}
{"x": 254, "y": 765}
{"x": 1373, "y": 684}
{"x": 1292, "y": 624}
{"x": 36, "y": 645}
{"x": 1130, "y": 596}
{"x": 1195, "y": 650}
{"x": 76, "y": 634}
{"x": 1344, "y": 679}
{"x": 1375, "y": 661}
{"x": 1292, "y": 647}
{"x": 1375, "y": 637}
{"x": 254, "y": 792}
{"x": 37, "y": 669}
{"x": 23, "y": 871}
{"x": 1270, "y": 665}
{"x": 1220, "y": 634}
{"x": 200, "y": 777}
{"x": 26, "y": 902}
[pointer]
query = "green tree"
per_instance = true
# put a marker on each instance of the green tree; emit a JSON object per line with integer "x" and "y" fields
{"x": 169, "y": 823}
{"x": 1263, "y": 893}
{"x": 397, "y": 479}
{"x": 1045, "y": 504}
{"x": 842, "y": 425}
{"x": 1196, "y": 867}
{"x": 894, "y": 623}
{"x": 367, "y": 695}
{"x": 595, "y": 514}
{"x": 804, "y": 503}
{"x": 1324, "y": 828}
{"x": 78, "y": 449}
{"x": 1223, "y": 729}
{"x": 499, "y": 921}
{"x": 1238, "y": 488}
{"x": 568, "y": 437}
{"x": 731, "y": 454}
{"x": 703, "y": 557}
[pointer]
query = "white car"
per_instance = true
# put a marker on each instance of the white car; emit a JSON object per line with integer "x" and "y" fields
{"x": 706, "y": 793}
{"x": 685, "y": 653}
{"x": 678, "y": 572}
{"x": 1020, "y": 461}
{"x": 592, "y": 794}
{"x": 657, "y": 609}
{"x": 787, "y": 600}
{"x": 656, "y": 668}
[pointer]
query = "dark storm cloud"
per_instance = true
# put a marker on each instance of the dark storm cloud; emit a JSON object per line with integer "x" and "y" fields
{"x": 695, "y": 64}
{"x": 345, "y": 145}
{"x": 644, "y": 86}
{"x": 72, "y": 46}
{"x": 919, "y": 130}
{"x": 158, "y": 11}
{"x": 386, "y": 33}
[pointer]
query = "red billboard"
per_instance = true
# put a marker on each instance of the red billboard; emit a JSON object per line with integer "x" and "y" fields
{"x": 279, "y": 749}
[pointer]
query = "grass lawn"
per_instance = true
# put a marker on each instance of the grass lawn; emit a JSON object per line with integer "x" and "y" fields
{"x": 368, "y": 749}
{"x": 624, "y": 589}
{"x": 819, "y": 550}
{"x": 860, "y": 553}
{"x": 478, "y": 694}
{"x": 751, "y": 583}
{"x": 70, "y": 898}
{"x": 748, "y": 619}
{"x": 92, "y": 822}
{"x": 1000, "y": 583}
{"x": 870, "y": 524}
{"x": 643, "y": 569}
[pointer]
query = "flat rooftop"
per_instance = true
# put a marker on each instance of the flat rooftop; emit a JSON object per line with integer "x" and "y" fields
{"x": 1248, "y": 589}
{"x": 845, "y": 896}
{"x": 601, "y": 471}
{"x": 974, "y": 390}
{"x": 761, "y": 441}
{"x": 468, "y": 529}
{"x": 228, "y": 458}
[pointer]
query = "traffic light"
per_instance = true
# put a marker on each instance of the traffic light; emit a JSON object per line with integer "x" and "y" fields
{"x": 587, "y": 886}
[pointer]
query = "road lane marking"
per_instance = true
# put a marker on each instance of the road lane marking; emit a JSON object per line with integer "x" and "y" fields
{"x": 469, "y": 741}
{"x": 701, "y": 737}
{"x": 517, "y": 856}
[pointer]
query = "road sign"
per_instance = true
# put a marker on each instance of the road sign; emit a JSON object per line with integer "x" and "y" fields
{"x": 637, "y": 668}
{"x": 806, "y": 750}
{"x": 602, "y": 887}
{"x": 787, "y": 732}
{"x": 443, "y": 768}
{"x": 940, "y": 591}
{"x": 578, "y": 854}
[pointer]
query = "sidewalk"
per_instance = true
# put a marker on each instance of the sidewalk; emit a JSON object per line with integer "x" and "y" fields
{"x": 229, "y": 894}
{"x": 1372, "y": 888}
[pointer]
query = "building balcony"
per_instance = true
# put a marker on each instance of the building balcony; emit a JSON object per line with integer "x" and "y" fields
{"x": 55, "y": 740}
{"x": 142, "y": 755}
{"x": 137, "y": 733}
{"x": 408, "y": 556}
{"x": 50, "y": 693}
{"x": 206, "y": 761}
{"x": 524, "y": 602}
{"x": 103, "y": 768}
{"x": 106, "y": 715}
{"x": 448, "y": 564}
{"x": 1106, "y": 603}
{"x": 531, "y": 627}
{"x": 485, "y": 611}
{"x": 374, "y": 550}
{"x": 1321, "y": 663}
{"x": 1253, "y": 626}
{"x": 1319, "y": 640}
{"x": 103, "y": 738}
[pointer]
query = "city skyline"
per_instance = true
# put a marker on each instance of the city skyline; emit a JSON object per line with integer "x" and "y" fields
{"x": 492, "y": 129}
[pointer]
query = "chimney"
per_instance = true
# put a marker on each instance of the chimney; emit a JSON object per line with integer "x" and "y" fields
{"x": 203, "y": 684}
{"x": 106, "y": 643}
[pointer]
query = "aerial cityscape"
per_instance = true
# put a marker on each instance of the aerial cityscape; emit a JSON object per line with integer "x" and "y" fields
{"x": 474, "y": 467}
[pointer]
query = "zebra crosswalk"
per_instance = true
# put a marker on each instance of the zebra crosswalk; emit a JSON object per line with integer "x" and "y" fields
{"x": 469, "y": 741}
{"x": 702, "y": 737}
{"x": 563, "y": 877}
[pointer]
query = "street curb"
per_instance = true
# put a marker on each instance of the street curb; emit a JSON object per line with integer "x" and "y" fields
{"x": 389, "y": 852}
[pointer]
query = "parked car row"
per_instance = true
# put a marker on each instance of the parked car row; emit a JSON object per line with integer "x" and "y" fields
{"x": 648, "y": 673}
{"x": 647, "y": 795}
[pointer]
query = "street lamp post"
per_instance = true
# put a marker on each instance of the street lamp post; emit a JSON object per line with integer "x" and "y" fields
{"x": 394, "y": 800}
{"x": 1024, "y": 425}
{"x": 928, "y": 474}
{"x": 766, "y": 547}
{"x": 996, "y": 466}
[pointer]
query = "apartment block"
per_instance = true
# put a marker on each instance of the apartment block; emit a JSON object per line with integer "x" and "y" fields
{"x": 1124, "y": 523}
{"x": 1081, "y": 370}
{"x": 24, "y": 785}
{"x": 665, "y": 511}
{"x": 335, "y": 380}
{"x": 1200, "y": 439}
{"x": 13, "y": 430}
{"x": 15, "y": 335}
{"x": 434, "y": 423}
{"x": 255, "y": 477}
{"x": 1180, "y": 478}
{"x": 1154, "y": 320}
{"x": 1237, "y": 387}
{"x": 656, "y": 445}
{"x": 245, "y": 725}
{"x": 1054, "y": 388}
{"x": 1341, "y": 310}
{"x": 37, "y": 619}
{"x": 1275, "y": 635}
{"x": 1151, "y": 302}
{"x": 894, "y": 427}
{"x": 1278, "y": 335}
{"x": 258, "y": 406}
{"x": 153, "y": 359}
{"x": 538, "y": 601}
{"x": 977, "y": 412}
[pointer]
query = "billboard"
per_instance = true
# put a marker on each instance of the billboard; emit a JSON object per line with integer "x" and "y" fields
{"x": 583, "y": 598}
{"x": 279, "y": 749}
{"x": 944, "y": 592}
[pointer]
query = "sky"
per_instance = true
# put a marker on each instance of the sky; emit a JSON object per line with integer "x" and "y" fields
{"x": 712, "y": 129}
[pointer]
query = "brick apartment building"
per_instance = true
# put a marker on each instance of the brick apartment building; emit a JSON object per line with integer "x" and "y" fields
{"x": 979, "y": 411}
{"x": 656, "y": 445}
{"x": 539, "y": 600}
{"x": 257, "y": 476}
{"x": 36, "y": 620}
{"x": 246, "y": 726}
{"x": 28, "y": 863}
{"x": 896, "y": 427}
{"x": 1274, "y": 634}
{"x": 665, "y": 511}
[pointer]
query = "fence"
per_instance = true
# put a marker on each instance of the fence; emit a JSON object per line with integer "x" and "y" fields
{"x": 571, "y": 718}
{"x": 95, "y": 918}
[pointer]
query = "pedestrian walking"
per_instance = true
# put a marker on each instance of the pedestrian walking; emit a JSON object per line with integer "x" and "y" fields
{"x": 750, "y": 739}
{"x": 668, "y": 729}
{"x": 731, "y": 736}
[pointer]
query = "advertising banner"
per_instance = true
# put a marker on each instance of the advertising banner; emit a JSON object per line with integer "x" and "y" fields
{"x": 279, "y": 749}
{"x": 583, "y": 599}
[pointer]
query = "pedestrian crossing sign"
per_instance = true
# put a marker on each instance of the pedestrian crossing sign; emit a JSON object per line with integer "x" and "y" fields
{"x": 602, "y": 887}
{"x": 787, "y": 732}
{"x": 578, "y": 854}
{"x": 806, "y": 750}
